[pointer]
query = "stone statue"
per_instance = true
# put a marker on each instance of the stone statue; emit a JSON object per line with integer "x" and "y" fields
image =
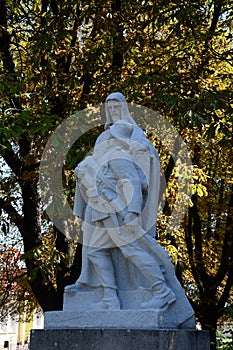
{"x": 117, "y": 199}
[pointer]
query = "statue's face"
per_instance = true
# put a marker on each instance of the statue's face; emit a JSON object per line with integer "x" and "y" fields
{"x": 115, "y": 110}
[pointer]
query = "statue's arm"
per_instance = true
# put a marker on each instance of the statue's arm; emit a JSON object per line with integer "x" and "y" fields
{"x": 80, "y": 202}
{"x": 125, "y": 169}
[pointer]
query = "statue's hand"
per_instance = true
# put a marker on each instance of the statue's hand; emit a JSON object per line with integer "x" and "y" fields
{"x": 131, "y": 222}
{"x": 130, "y": 218}
{"x": 136, "y": 147}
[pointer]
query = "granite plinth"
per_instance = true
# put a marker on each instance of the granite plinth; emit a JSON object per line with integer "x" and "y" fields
{"x": 118, "y": 339}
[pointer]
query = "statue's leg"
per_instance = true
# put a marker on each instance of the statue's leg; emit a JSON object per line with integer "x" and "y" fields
{"x": 100, "y": 258}
{"x": 163, "y": 296}
{"x": 102, "y": 263}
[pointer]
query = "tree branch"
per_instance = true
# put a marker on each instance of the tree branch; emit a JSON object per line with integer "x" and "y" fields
{"x": 11, "y": 159}
{"x": 5, "y": 50}
{"x": 198, "y": 266}
{"x": 210, "y": 34}
{"x": 190, "y": 247}
{"x": 12, "y": 212}
{"x": 227, "y": 251}
{"x": 118, "y": 39}
{"x": 5, "y": 47}
{"x": 226, "y": 292}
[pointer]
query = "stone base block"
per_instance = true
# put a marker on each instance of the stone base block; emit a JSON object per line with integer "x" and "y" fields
{"x": 122, "y": 319}
{"x": 78, "y": 313}
{"x": 118, "y": 339}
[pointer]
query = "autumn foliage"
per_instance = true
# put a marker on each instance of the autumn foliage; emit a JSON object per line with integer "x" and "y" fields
{"x": 58, "y": 57}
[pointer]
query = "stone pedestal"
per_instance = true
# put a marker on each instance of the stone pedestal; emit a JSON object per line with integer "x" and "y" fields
{"x": 118, "y": 339}
{"x": 117, "y": 319}
{"x": 79, "y": 326}
{"x": 78, "y": 311}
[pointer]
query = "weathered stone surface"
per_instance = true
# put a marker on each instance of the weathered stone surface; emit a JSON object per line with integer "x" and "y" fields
{"x": 130, "y": 315}
{"x": 116, "y": 199}
{"x": 124, "y": 319}
{"x": 81, "y": 300}
{"x": 118, "y": 339}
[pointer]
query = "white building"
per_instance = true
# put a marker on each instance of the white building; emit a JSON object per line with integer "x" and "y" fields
{"x": 14, "y": 334}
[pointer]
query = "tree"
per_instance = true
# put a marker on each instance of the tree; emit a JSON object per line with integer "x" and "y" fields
{"x": 60, "y": 56}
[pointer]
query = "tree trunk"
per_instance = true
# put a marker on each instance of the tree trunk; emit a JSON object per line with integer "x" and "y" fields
{"x": 209, "y": 322}
{"x": 43, "y": 289}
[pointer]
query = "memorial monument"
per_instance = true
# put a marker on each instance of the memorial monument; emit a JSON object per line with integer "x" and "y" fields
{"x": 128, "y": 282}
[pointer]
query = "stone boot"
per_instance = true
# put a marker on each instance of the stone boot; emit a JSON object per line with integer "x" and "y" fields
{"x": 110, "y": 301}
{"x": 73, "y": 288}
{"x": 162, "y": 298}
